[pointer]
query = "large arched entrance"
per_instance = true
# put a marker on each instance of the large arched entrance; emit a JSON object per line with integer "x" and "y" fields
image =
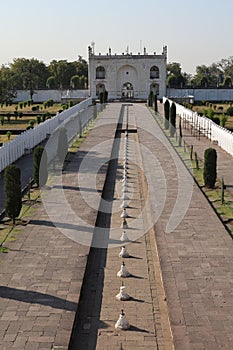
{"x": 99, "y": 88}
{"x": 155, "y": 88}
{"x": 127, "y": 91}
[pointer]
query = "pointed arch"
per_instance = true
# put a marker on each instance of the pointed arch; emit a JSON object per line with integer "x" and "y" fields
{"x": 100, "y": 72}
{"x": 154, "y": 72}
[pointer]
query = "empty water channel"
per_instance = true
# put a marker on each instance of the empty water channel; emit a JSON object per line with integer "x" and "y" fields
{"x": 88, "y": 321}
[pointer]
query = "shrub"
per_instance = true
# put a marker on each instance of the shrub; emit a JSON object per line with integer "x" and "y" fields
{"x": 12, "y": 188}
{"x": 155, "y": 103}
{"x": 21, "y": 105}
{"x": 210, "y": 167}
{"x": 40, "y": 170}
{"x": 105, "y": 96}
{"x": 216, "y": 120}
{"x": 180, "y": 133}
{"x": 150, "y": 99}
{"x": 101, "y": 97}
{"x": 166, "y": 114}
{"x": 2, "y": 119}
{"x": 20, "y": 114}
{"x": 62, "y": 146}
{"x": 205, "y": 112}
{"x": 223, "y": 120}
{"x": 64, "y": 106}
{"x": 172, "y": 118}
{"x": 31, "y": 123}
{"x": 8, "y": 117}
{"x": 8, "y": 134}
{"x": 16, "y": 114}
{"x": 38, "y": 119}
{"x": 230, "y": 111}
{"x": 210, "y": 113}
{"x": 35, "y": 108}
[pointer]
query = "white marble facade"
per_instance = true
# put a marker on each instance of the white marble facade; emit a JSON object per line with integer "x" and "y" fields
{"x": 127, "y": 75}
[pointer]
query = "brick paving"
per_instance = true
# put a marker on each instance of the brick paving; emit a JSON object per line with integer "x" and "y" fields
{"x": 41, "y": 276}
{"x": 196, "y": 257}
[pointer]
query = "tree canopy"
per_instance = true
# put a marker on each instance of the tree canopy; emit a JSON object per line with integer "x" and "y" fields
{"x": 31, "y": 74}
{"x": 218, "y": 74}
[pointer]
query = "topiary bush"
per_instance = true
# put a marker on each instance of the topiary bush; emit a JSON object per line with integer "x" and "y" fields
{"x": 230, "y": 111}
{"x": 155, "y": 103}
{"x": 40, "y": 170}
{"x": 150, "y": 99}
{"x": 12, "y": 189}
{"x": 166, "y": 114}
{"x": 62, "y": 146}
{"x": 210, "y": 167}
{"x": 172, "y": 119}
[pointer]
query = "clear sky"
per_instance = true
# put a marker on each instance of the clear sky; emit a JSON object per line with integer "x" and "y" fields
{"x": 196, "y": 32}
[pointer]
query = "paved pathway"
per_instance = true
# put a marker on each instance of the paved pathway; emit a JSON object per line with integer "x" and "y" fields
{"x": 196, "y": 262}
{"x": 41, "y": 276}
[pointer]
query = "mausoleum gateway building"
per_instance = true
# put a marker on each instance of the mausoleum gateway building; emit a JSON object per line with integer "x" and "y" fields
{"x": 127, "y": 76}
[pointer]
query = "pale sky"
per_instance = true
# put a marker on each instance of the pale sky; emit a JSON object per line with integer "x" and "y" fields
{"x": 196, "y": 32}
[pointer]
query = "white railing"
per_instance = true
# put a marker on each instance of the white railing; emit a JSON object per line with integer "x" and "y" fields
{"x": 79, "y": 115}
{"x": 206, "y": 126}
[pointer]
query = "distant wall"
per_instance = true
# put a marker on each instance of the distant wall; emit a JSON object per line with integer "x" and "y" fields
{"x": 202, "y": 94}
{"x": 56, "y": 95}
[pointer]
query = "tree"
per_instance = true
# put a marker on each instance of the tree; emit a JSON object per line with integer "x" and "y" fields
{"x": 210, "y": 167}
{"x": 7, "y": 85}
{"x": 51, "y": 83}
{"x": 105, "y": 96}
{"x": 172, "y": 119}
{"x": 75, "y": 82}
{"x": 40, "y": 171}
{"x": 226, "y": 66}
{"x": 62, "y": 146}
{"x": 101, "y": 97}
{"x": 180, "y": 133}
{"x": 150, "y": 98}
{"x": 29, "y": 74}
{"x": 81, "y": 67}
{"x": 207, "y": 76}
{"x": 8, "y": 134}
{"x": 166, "y": 114}
{"x": 62, "y": 71}
{"x": 227, "y": 82}
{"x": 174, "y": 75}
{"x": 12, "y": 189}
{"x": 155, "y": 103}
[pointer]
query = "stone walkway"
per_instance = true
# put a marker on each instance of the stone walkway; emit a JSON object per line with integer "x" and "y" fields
{"x": 41, "y": 276}
{"x": 196, "y": 260}
{"x": 182, "y": 265}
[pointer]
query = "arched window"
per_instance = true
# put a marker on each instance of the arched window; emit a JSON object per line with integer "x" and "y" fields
{"x": 100, "y": 73}
{"x": 154, "y": 72}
